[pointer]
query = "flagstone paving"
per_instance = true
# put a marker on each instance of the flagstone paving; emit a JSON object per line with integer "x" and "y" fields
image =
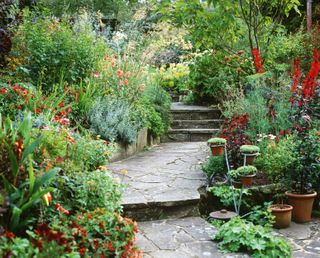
{"x": 162, "y": 193}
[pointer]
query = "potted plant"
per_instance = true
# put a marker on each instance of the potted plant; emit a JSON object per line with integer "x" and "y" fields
{"x": 304, "y": 173}
{"x": 249, "y": 152}
{"x": 282, "y": 213}
{"x": 234, "y": 177}
{"x": 246, "y": 174}
{"x": 217, "y": 145}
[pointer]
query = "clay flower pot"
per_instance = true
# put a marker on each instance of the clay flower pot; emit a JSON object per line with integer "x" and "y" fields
{"x": 249, "y": 152}
{"x": 249, "y": 158}
{"x": 217, "y": 145}
{"x": 283, "y": 214}
{"x": 302, "y": 206}
{"x": 247, "y": 180}
{"x": 217, "y": 150}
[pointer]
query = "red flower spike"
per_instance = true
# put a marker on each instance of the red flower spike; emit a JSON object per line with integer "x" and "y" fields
{"x": 257, "y": 60}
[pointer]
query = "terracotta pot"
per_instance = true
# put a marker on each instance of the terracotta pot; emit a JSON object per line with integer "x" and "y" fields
{"x": 282, "y": 213}
{"x": 247, "y": 180}
{"x": 302, "y": 206}
{"x": 237, "y": 184}
{"x": 250, "y": 157}
{"x": 217, "y": 150}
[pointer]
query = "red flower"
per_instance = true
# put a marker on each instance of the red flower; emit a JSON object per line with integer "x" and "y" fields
{"x": 3, "y": 91}
{"x": 19, "y": 107}
{"x": 61, "y": 104}
{"x": 257, "y": 60}
{"x": 296, "y": 75}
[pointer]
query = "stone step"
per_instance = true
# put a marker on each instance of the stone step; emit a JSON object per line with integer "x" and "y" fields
{"x": 196, "y": 124}
{"x": 195, "y": 114}
{"x": 162, "y": 210}
{"x": 188, "y": 135}
{"x": 180, "y": 111}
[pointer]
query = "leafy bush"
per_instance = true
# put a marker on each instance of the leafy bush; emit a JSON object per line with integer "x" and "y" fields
{"x": 161, "y": 101}
{"x": 111, "y": 118}
{"x": 277, "y": 159}
{"x": 175, "y": 77}
{"x": 87, "y": 191}
{"x": 239, "y": 235}
{"x": 87, "y": 153}
{"x": 12, "y": 246}
{"x": 49, "y": 50}
{"x": 261, "y": 215}
{"x": 212, "y": 82}
{"x": 227, "y": 196}
{"x": 214, "y": 166}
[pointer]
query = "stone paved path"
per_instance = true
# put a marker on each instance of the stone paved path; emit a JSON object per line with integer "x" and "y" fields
{"x": 304, "y": 238}
{"x": 179, "y": 238}
{"x": 168, "y": 175}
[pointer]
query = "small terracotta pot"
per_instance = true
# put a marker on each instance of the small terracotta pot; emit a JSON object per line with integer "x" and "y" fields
{"x": 283, "y": 214}
{"x": 247, "y": 180}
{"x": 302, "y": 206}
{"x": 237, "y": 184}
{"x": 217, "y": 150}
{"x": 250, "y": 157}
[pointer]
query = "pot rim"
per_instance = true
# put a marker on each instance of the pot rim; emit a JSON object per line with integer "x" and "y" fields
{"x": 286, "y": 208}
{"x": 212, "y": 145}
{"x": 301, "y": 196}
{"x": 249, "y": 176}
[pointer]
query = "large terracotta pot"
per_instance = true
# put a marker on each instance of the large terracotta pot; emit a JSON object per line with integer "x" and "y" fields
{"x": 283, "y": 214}
{"x": 217, "y": 150}
{"x": 247, "y": 180}
{"x": 302, "y": 206}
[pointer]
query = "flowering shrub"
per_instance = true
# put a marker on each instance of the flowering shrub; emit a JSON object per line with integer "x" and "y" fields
{"x": 96, "y": 234}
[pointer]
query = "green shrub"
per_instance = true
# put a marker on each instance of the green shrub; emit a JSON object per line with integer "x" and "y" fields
{"x": 277, "y": 158}
{"x": 112, "y": 119}
{"x": 238, "y": 235}
{"x": 227, "y": 195}
{"x": 214, "y": 77}
{"x": 46, "y": 50}
{"x": 88, "y": 190}
{"x": 175, "y": 77}
{"x": 161, "y": 101}
{"x": 214, "y": 166}
{"x": 11, "y": 246}
{"x": 88, "y": 153}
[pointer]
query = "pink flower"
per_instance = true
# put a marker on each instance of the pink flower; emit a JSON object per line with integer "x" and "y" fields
{"x": 125, "y": 82}
{"x": 127, "y": 74}
{"x": 120, "y": 73}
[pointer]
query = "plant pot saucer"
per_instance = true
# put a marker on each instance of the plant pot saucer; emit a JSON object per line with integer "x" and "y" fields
{"x": 223, "y": 214}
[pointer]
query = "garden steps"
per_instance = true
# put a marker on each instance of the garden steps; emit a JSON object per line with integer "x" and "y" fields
{"x": 192, "y": 123}
{"x": 163, "y": 182}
